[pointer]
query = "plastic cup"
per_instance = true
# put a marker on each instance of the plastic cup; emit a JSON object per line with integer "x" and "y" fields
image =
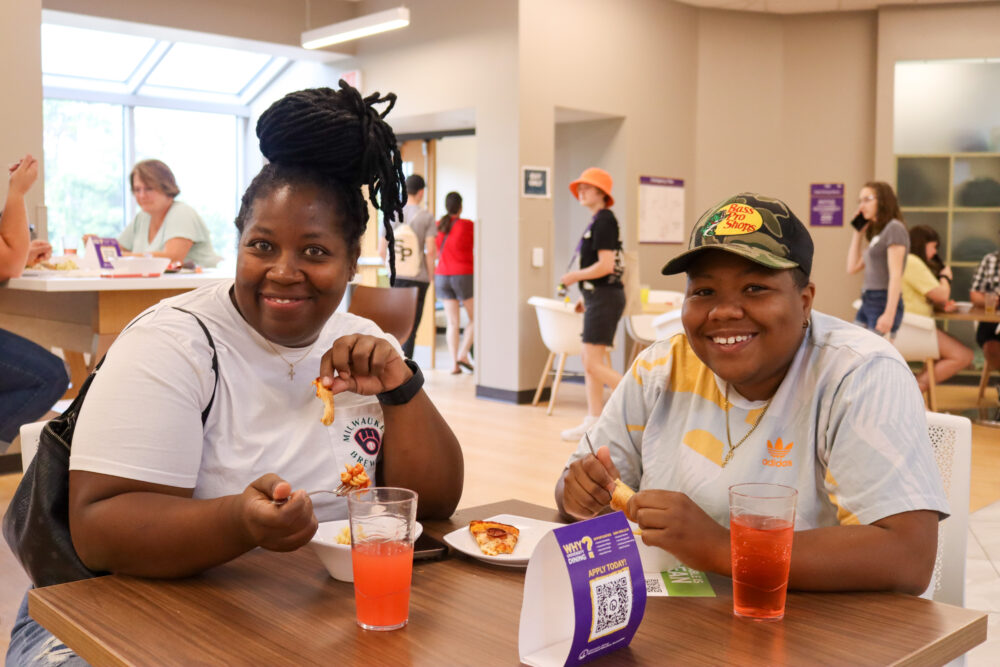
{"x": 761, "y": 524}
{"x": 383, "y": 520}
{"x": 991, "y": 299}
{"x": 70, "y": 243}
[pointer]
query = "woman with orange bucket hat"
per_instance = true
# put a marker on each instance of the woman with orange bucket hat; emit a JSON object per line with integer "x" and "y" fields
{"x": 600, "y": 278}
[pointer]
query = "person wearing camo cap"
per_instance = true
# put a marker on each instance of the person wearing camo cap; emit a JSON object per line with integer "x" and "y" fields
{"x": 761, "y": 388}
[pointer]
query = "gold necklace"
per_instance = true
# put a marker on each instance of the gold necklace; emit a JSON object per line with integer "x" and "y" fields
{"x": 291, "y": 364}
{"x": 729, "y": 439}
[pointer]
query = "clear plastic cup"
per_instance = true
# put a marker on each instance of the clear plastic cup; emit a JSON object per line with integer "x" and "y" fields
{"x": 383, "y": 521}
{"x": 761, "y": 525}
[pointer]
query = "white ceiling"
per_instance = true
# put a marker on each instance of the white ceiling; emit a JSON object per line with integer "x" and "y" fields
{"x": 809, "y": 6}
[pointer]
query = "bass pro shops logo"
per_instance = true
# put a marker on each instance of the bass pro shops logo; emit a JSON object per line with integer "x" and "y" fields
{"x": 778, "y": 452}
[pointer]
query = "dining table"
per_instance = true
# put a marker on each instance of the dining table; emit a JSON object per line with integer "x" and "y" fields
{"x": 83, "y": 314}
{"x": 269, "y": 608}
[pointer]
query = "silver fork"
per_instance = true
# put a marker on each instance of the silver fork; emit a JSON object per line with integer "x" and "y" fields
{"x": 341, "y": 490}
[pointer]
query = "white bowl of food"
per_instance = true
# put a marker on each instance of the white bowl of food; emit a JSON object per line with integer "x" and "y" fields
{"x": 140, "y": 267}
{"x": 963, "y": 306}
{"x": 654, "y": 559}
{"x": 332, "y": 543}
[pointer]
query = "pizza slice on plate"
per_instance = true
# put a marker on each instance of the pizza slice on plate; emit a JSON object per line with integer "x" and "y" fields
{"x": 494, "y": 538}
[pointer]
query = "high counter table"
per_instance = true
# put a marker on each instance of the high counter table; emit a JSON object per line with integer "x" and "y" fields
{"x": 84, "y": 315}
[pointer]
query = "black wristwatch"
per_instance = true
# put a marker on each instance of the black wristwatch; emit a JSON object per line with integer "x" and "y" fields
{"x": 405, "y": 392}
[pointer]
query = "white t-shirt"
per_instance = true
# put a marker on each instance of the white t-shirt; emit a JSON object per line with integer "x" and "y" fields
{"x": 846, "y": 428}
{"x": 141, "y": 418}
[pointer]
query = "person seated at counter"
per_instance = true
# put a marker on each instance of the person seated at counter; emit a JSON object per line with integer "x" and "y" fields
{"x": 31, "y": 378}
{"x": 165, "y": 227}
{"x": 761, "y": 388}
{"x": 176, "y": 464}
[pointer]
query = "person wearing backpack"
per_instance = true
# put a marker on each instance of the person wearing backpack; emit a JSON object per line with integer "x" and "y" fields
{"x": 415, "y": 249}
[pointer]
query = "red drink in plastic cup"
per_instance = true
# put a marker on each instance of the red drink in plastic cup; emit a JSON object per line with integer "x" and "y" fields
{"x": 761, "y": 526}
{"x": 762, "y": 553}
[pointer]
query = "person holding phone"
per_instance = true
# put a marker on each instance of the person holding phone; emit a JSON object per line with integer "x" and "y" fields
{"x": 926, "y": 285}
{"x": 879, "y": 221}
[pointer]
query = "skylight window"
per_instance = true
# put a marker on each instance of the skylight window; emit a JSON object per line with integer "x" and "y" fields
{"x": 92, "y": 54}
{"x": 208, "y": 69}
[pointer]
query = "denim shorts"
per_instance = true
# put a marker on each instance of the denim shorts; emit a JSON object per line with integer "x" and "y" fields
{"x": 603, "y": 307}
{"x": 873, "y": 305}
{"x": 453, "y": 287}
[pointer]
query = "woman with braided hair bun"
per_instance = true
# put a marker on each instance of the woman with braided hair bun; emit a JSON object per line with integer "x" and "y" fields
{"x": 184, "y": 441}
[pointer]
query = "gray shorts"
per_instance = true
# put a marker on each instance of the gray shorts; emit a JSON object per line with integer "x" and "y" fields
{"x": 603, "y": 307}
{"x": 454, "y": 287}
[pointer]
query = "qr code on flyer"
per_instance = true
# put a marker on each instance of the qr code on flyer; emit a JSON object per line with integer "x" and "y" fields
{"x": 611, "y": 600}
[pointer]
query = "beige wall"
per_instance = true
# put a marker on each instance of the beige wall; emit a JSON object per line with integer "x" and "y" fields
{"x": 785, "y": 101}
{"x": 21, "y": 83}
{"x": 448, "y": 60}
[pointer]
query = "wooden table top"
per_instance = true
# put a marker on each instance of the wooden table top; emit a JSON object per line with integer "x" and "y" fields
{"x": 267, "y": 608}
{"x": 977, "y": 313}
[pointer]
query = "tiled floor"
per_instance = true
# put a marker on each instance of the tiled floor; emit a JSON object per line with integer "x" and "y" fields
{"x": 982, "y": 581}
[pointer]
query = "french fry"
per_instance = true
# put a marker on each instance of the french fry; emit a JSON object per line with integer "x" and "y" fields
{"x": 326, "y": 396}
{"x": 619, "y": 499}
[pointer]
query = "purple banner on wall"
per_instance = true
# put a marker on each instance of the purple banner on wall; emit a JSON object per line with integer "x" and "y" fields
{"x": 656, "y": 180}
{"x": 826, "y": 204}
{"x": 609, "y": 588}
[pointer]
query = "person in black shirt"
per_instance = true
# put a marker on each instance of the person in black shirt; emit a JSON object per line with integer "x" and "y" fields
{"x": 600, "y": 278}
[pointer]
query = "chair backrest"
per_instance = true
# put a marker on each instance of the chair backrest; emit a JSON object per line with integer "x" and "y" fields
{"x": 951, "y": 439}
{"x": 630, "y": 281}
{"x": 561, "y": 326}
{"x": 675, "y": 299}
{"x": 668, "y": 324}
{"x": 29, "y": 441}
{"x": 917, "y": 339}
{"x": 640, "y": 328}
{"x": 393, "y": 309}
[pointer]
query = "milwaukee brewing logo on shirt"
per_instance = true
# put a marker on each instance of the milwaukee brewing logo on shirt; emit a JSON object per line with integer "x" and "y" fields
{"x": 363, "y": 438}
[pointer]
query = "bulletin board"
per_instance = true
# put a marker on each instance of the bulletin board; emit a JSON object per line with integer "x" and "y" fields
{"x": 661, "y": 210}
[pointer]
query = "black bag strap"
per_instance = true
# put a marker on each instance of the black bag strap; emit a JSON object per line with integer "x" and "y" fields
{"x": 73, "y": 410}
{"x": 215, "y": 363}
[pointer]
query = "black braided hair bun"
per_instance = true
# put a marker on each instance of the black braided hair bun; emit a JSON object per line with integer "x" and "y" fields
{"x": 340, "y": 135}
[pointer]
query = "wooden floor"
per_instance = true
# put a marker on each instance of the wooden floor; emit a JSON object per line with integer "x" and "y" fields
{"x": 515, "y": 452}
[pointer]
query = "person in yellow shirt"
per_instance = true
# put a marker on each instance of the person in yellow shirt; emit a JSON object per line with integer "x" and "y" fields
{"x": 926, "y": 285}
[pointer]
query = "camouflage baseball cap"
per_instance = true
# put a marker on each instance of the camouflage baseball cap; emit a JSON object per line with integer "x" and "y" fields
{"x": 762, "y": 229}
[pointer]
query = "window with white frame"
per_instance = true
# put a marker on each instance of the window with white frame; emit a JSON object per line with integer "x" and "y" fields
{"x": 113, "y": 98}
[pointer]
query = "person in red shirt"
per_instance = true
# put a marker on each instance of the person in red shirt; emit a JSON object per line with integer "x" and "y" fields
{"x": 453, "y": 278}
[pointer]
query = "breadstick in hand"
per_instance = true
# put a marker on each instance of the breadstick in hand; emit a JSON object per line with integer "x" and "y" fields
{"x": 326, "y": 396}
{"x": 619, "y": 499}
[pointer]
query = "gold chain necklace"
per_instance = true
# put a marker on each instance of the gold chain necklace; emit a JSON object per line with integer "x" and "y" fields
{"x": 291, "y": 364}
{"x": 729, "y": 439}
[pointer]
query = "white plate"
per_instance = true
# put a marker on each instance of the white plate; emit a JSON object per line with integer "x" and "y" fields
{"x": 531, "y": 531}
{"x": 963, "y": 306}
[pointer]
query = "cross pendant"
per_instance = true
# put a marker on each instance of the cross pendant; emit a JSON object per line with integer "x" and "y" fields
{"x": 291, "y": 373}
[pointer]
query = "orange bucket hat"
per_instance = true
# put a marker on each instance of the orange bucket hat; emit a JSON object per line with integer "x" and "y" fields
{"x": 596, "y": 177}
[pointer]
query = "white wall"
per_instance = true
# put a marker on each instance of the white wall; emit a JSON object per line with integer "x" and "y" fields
{"x": 456, "y": 171}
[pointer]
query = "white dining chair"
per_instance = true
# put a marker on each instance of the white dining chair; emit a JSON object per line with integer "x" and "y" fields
{"x": 562, "y": 330}
{"x": 30, "y": 433}
{"x": 640, "y": 329}
{"x": 917, "y": 340}
{"x": 668, "y": 324}
{"x": 951, "y": 440}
